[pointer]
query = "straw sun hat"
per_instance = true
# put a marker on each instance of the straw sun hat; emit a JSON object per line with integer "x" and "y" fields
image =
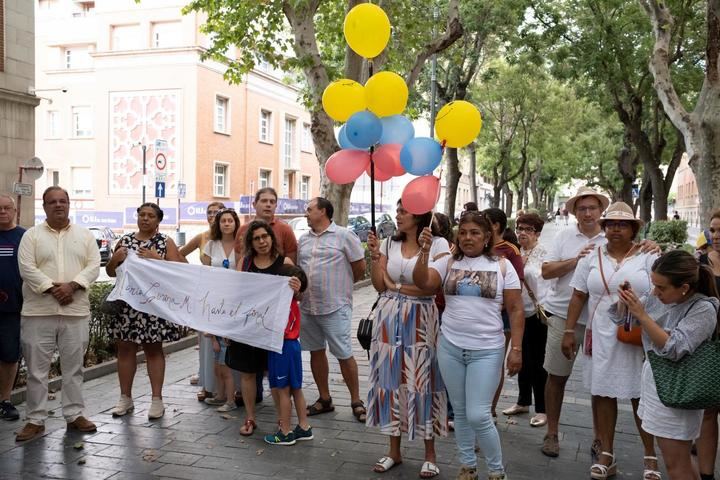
{"x": 619, "y": 211}
{"x": 586, "y": 192}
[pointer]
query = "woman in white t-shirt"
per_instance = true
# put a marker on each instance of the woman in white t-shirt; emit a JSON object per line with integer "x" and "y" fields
{"x": 406, "y": 392}
{"x": 219, "y": 251}
{"x": 477, "y": 286}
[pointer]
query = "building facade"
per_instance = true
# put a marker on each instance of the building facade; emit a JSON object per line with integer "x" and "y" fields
{"x": 687, "y": 199}
{"x": 17, "y": 103}
{"x": 129, "y": 102}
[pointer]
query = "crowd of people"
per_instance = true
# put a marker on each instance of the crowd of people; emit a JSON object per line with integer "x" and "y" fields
{"x": 457, "y": 310}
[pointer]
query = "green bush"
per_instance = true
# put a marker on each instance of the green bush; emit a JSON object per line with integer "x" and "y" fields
{"x": 669, "y": 234}
{"x": 100, "y": 347}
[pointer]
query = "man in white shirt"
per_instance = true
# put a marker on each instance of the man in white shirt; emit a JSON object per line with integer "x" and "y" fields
{"x": 58, "y": 262}
{"x": 569, "y": 246}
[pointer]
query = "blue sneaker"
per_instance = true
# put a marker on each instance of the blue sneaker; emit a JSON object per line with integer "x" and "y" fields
{"x": 302, "y": 435}
{"x": 280, "y": 438}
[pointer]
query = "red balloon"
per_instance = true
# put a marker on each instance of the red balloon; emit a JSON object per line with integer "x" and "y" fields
{"x": 421, "y": 194}
{"x": 345, "y": 166}
{"x": 380, "y": 175}
{"x": 387, "y": 158}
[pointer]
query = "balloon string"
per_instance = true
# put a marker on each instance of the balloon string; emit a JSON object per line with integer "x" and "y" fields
{"x": 370, "y": 68}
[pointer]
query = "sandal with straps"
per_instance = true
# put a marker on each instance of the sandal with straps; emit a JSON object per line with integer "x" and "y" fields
{"x": 358, "y": 409}
{"x": 600, "y": 471}
{"x": 326, "y": 406}
{"x": 249, "y": 427}
{"x": 649, "y": 473}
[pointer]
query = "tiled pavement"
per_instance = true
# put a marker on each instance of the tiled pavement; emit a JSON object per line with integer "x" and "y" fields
{"x": 193, "y": 441}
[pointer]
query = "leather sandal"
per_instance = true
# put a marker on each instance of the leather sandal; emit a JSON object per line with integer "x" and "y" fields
{"x": 249, "y": 427}
{"x": 384, "y": 464}
{"x": 600, "y": 471}
{"x": 326, "y": 406}
{"x": 649, "y": 473}
{"x": 358, "y": 409}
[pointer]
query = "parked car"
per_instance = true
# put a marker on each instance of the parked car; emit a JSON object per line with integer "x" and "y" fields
{"x": 385, "y": 226}
{"x": 299, "y": 226}
{"x": 360, "y": 226}
{"x": 105, "y": 239}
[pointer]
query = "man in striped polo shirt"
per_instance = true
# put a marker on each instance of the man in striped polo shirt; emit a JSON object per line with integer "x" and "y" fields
{"x": 333, "y": 259}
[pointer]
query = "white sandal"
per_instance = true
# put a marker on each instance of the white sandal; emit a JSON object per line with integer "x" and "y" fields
{"x": 649, "y": 474}
{"x": 600, "y": 471}
{"x": 429, "y": 470}
{"x": 385, "y": 464}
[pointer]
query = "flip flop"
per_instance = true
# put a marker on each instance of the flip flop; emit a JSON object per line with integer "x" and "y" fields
{"x": 250, "y": 427}
{"x": 385, "y": 464}
{"x": 429, "y": 470}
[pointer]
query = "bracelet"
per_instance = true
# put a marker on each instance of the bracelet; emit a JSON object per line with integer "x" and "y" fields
{"x": 569, "y": 330}
{"x": 516, "y": 349}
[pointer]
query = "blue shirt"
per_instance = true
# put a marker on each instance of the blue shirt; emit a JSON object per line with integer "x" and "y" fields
{"x": 10, "y": 280}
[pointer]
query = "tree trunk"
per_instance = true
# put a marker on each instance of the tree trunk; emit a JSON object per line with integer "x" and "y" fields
{"x": 700, "y": 128}
{"x": 473, "y": 173}
{"x": 646, "y": 198}
{"x": 452, "y": 178}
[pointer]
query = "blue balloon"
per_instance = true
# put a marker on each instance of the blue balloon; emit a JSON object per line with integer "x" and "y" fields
{"x": 363, "y": 129}
{"x": 396, "y": 129}
{"x": 420, "y": 156}
{"x": 344, "y": 142}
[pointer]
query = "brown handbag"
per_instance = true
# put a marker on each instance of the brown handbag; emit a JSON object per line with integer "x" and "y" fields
{"x": 632, "y": 335}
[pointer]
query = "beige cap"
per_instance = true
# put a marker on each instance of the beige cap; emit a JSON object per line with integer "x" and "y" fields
{"x": 586, "y": 192}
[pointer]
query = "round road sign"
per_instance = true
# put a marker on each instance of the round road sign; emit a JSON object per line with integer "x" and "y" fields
{"x": 160, "y": 161}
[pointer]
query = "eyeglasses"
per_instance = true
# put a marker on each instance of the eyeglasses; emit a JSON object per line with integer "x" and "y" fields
{"x": 226, "y": 263}
{"x": 262, "y": 237}
{"x": 587, "y": 209}
{"x": 524, "y": 229}
{"x": 616, "y": 224}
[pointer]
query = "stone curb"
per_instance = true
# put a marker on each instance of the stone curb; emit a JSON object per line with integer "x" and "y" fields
{"x": 106, "y": 368}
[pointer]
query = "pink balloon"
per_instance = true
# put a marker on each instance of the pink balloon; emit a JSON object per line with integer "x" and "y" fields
{"x": 387, "y": 158}
{"x": 345, "y": 166}
{"x": 380, "y": 175}
{"x": 421, "y": 194}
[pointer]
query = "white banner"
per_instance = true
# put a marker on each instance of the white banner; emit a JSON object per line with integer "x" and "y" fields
{"x": 251, "y": 308}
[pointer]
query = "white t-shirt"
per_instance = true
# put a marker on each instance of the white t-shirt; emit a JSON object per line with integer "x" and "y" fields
{"x": 473, "y": 300}
{"x": 567, "y": 244}
{"x": 400, "y": 269}
{"x": 214, "y": 250}
{"x": 533, "y": 278}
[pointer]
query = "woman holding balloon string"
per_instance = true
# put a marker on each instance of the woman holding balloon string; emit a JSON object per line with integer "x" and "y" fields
{"x": 404, "y": 340}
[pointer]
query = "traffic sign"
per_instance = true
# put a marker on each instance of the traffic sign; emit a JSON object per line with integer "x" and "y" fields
{"x": 159, "y": 189}
{"x": 161, "y": 145}
{"x": 181, "y": 190}
{"x": 160, "y": 161}
{"x": 22, "y": 189}
{"x": 160, "y": 176}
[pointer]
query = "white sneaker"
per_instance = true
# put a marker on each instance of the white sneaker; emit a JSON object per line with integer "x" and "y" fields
{"x": 228, "y": 407}
{"x": 157, "y": 409}
{"x": 124, "y": 406}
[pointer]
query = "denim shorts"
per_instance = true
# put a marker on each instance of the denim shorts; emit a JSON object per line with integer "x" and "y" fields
{"x": 333, "y": 330}
{"x": 220, "y": 356}
{"x": 9, "y": 337}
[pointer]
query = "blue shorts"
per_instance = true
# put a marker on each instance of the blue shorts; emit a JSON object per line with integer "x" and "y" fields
{"x": 285, "y": 369}
{"x": 220, "y": 356}
{"x": 9, "y": 337}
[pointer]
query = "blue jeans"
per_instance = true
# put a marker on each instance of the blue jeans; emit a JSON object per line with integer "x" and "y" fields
{"x": 471, "y": 378}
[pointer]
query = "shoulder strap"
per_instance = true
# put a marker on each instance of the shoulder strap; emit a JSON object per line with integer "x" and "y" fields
{"x": 602, "y": 273}
{"x": 246, "y": 263}
{"x": 503, "y": 266}
{"x": 531, "y": 294}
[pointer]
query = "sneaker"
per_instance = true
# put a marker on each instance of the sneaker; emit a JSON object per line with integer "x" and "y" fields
{"x": 29, "y": 431}
{"x": 467, "y": 473}
{"x": 82, "y": 424}
{"x": 8, "y": 411}
{"x": 302, "y": 435}
{"x": 124, "y": 406}
{"x": 227, "y": 407}
{"x": 280, "y": 439}
{"x": 215, "y": 402}
{"x": 157, "y": 409}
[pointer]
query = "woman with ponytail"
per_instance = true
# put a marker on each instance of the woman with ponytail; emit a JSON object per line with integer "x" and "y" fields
{"x": 681, "y": 314}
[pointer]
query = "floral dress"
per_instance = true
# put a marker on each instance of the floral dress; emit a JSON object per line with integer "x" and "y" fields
{"x": 131, "y": 325}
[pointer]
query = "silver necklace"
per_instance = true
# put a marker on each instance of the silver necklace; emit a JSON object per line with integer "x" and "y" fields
{"x": 404, "y": 265}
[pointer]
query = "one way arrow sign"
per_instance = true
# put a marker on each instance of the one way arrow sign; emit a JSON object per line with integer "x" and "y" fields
{"x": 159, "y": 189}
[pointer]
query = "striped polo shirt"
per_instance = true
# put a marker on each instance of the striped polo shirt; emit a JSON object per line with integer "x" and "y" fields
{"x": 326, "y": 257}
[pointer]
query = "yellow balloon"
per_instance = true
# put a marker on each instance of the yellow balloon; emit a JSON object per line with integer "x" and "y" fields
{"x": 386, "y": 94}
{"x": 367, "y": 30}
{"x": 457, "y": 124}
{"x": 342, "y": 98}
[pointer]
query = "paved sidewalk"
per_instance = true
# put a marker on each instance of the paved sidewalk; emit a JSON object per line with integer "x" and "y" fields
{"x": 193, "y": 441}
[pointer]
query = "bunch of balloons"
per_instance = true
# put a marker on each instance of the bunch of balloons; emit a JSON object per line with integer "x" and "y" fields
{"x": 375, "y": 131}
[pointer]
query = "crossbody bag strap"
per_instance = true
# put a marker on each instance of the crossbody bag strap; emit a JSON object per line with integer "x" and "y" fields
{"x": 602, "y": 273}
{"x": 530, "y": 293}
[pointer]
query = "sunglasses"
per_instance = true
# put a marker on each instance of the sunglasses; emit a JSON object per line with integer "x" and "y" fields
{"x": 617, "y": 224}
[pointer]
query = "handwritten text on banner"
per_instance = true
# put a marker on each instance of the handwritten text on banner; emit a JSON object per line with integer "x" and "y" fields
{"x": 251, "y": 308}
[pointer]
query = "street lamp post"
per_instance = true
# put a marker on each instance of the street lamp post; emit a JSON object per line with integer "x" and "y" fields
{"x": 144, "y": 180}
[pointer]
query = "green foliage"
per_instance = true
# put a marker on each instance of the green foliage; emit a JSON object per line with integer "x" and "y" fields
{"x": 100, "y": 347}
{"x": 668, "y": 233}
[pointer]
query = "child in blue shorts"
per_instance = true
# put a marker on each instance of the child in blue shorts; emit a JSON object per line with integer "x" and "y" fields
{"x": 285, "y": 371}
